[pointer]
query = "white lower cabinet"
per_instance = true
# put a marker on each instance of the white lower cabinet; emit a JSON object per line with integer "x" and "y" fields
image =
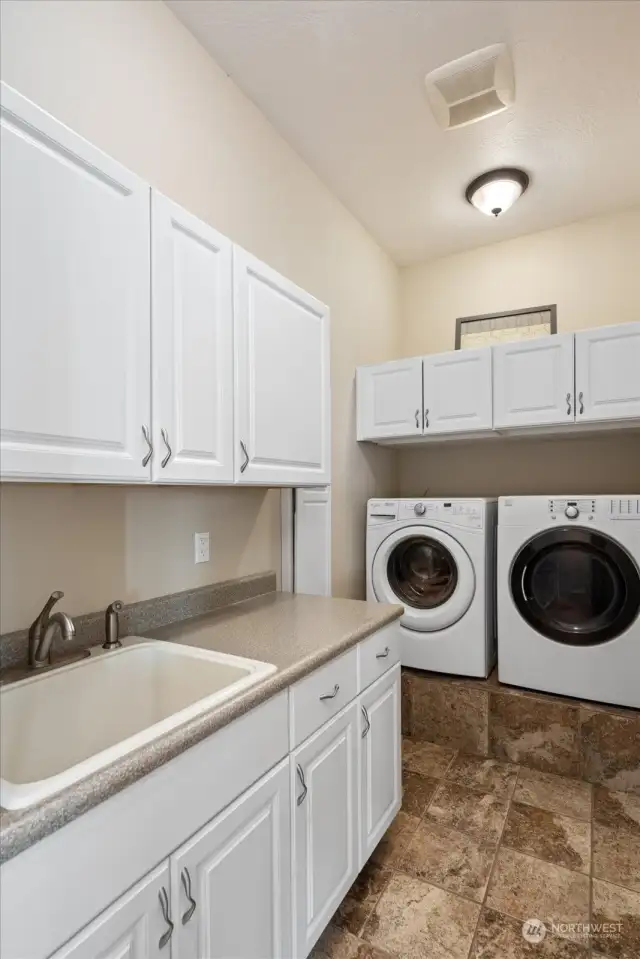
{"x": 380, "y": 772}
{"x": 324, "y": 775}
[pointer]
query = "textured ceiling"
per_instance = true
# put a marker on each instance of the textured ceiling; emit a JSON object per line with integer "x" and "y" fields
{"x": 342, "y": 80}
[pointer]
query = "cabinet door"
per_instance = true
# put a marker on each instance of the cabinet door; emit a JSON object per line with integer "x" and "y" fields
{"x": 325, "y": 832}
{"x": 608, "y": 373}
{"x": 389, "y": 399}
{"x": 231, "y": 883}
{"x": 533, "y": 382}
{"x": 380, "y": 769}
{"x": 134, "y": 927}
{"x": 192, "y": 322}
{"x": 283, "y": 405}
{"x": 75, "y": 350}
{"x": 457, "y": 392}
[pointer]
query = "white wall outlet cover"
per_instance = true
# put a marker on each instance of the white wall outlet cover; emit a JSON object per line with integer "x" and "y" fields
{"x": 201, "y": 545}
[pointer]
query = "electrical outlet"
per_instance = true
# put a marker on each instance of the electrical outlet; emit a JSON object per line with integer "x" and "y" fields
{"x": 201, "y": 545}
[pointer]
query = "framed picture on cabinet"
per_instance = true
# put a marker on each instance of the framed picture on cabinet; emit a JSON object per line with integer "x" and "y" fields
{"x": 490, "y": 328}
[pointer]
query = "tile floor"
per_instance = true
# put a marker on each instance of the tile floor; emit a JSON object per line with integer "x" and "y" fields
{"x": 479, "y": 847}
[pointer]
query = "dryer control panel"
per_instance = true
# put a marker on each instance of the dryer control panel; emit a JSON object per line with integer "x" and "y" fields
{"x": 582, "y": 508}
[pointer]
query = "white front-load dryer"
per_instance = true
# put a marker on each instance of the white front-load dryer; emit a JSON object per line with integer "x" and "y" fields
{"x": 569, "y": 595}
{"x": 436, "y": 558}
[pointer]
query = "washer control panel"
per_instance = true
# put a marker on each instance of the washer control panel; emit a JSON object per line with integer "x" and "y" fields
{"x": 458, "y": 513}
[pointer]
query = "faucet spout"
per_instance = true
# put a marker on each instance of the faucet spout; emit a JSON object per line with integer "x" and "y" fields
{"x": 60, "y": 621}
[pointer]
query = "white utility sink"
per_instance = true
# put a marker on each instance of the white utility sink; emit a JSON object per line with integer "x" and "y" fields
{"x": 63, "y": 725}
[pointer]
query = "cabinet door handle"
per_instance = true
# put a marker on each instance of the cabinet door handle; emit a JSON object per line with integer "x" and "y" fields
{"x": 426, "y": 419}
{"x": 165, "y": 437}
{"x": 580, "y": 400}
{"x": 336, "y": 690}
{"x": 246, "y": 457}
{"x": 418, "y": 419}
{"x": 384, "y": 654}
{"x": 166, "y": 915}
{"x": 303, "y": 795}
{"x": 186, "y": 883}
{"x": 365, "y": 716}
{"x": 149, "y": 453}
{"x": 568, "y": 404}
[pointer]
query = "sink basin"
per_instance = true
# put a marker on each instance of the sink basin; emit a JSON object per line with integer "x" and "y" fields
{"x": 61, "y": 726}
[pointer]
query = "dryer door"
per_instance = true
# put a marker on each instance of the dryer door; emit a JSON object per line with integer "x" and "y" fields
{"x": 576, "y": 586}
{"x": 429, "y": 572}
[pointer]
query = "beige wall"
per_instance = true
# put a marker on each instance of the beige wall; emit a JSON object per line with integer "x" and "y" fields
{"x": 591, "y": 270}
{"x": 127, "y": 75}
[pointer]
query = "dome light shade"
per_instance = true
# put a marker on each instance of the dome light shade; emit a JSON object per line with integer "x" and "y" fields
{"x": 494, "y": 192}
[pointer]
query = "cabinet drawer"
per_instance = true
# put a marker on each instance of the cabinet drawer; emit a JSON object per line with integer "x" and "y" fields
{"x": 322, "y": 694}
{"x": 377, "y": 654}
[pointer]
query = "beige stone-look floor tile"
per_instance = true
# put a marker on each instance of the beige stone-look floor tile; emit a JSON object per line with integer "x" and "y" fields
{"x": 335, "y": 943}
{"x": 616, "y": 855}
{"x": 527, "y": 888}
{"x": 417, "y": 792}
{"x": 486, "y": 775}
{"x": 358, "y": 904}
{"x": 450, "y": 713}
{"x": 448, "y": 858}
{"x": 611, "y": 904}
{"x": 415, "y": 920}
{"x": 426, "y": 759}
{"x": 568, "y": 797}
{"x": 614, "y": 809}
{"x": 479, "y": 815}
{"x": 394, "y": 841}
{"x": 500, "y": 937}
{"x": 558, "y": 839}
{"x": 540, "y": 733}
{"x": 610, "y": 749}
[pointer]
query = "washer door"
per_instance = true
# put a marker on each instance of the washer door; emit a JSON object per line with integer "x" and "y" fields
{"x": 576, "y": 586}
{"x": 427, "y": 571}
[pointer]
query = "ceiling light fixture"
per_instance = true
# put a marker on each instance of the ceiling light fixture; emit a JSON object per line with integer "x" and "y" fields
{"x": 494, "y": 192}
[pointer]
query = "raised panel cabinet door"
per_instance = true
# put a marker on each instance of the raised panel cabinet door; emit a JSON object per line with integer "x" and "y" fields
{"x": 533, "y": 382}
{"x": 75, "y": 305}
{"x": 458, "y": 392}
{"x": 282, "y": 401}
{"x": 192, "y": 326}
{"x": 380, "y": 764}
{"x": 325, "y": 809}
{"x": 389, "y": 399}
{"x": 608, "y": 373}
{"x": 231, "y": 882}
{"x": 136, "y": 926}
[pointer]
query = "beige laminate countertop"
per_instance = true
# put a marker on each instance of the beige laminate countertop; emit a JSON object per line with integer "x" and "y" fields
{"x": 296, "y": 633}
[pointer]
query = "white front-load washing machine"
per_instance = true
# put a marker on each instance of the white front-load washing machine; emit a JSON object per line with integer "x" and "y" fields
{"x": 436, "y": 557}
{"x": 569, "y": 595}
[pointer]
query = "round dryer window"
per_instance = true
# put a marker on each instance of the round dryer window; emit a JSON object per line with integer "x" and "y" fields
{"x": 427, "y": 571}
{"x": 576, "y": 586}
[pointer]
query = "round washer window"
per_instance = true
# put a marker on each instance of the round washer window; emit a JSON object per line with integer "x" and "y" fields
{"x": 576, "y": 586}
{"x": 422, "y": 572}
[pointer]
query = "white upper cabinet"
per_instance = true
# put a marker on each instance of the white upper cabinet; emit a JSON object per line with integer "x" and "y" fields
{"x": 389, "y": 399}
{"x": 192, "y": 368}
{"x": 608, "y": 373}
{"x": 533, "y": 382}
{"x": 457, "y": 392}
{"x": 75, "y": 305}
{"x": 283, "y": 403}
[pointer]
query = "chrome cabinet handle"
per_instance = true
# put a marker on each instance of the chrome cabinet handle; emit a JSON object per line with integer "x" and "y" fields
{"x": 166, "y": 915}
{"x": 384, "y": 654}
{"x": 147, "y": 436}
{"x": 246, "y": 457}
{"x": 568, "y": 404}
{"x": 365, "y": 716}
{"x": 163, "y": 434}
{"x": 186, "y": 883}
{"x": 580, "y": 400}
{"x": 336, "y": 690}
{"x": 426, "y": 419}
{"x": 303, "y": 795}
{"x": 418, "y": 419}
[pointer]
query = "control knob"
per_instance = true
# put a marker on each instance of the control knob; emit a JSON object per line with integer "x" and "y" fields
{"x": 419, "y": 509}
{"x": 572, "y": 512}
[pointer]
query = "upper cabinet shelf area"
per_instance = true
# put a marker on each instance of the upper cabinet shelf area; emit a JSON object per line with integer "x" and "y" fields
{"x": 582, "y": 381}
{"x": 138, "y": 343}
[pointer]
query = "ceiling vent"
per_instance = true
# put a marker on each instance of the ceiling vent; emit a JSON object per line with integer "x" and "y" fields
{"x": 472, "y": 88}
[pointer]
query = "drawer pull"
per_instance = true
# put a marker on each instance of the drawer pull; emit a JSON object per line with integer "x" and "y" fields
{"x": 336, "y": 690}
{"x": 166, "y": 915}
{"x": 365, "y": 716}
{"x": 303, "y": 795}
{"x": 186, "y": 883}
{"x": 384, "y": 654}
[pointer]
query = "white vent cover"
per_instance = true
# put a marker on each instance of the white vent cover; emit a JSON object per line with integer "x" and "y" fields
{"x": 472, "y": 88}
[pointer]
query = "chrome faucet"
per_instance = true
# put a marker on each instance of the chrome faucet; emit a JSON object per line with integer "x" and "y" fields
{"x": 43, "y": 630}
